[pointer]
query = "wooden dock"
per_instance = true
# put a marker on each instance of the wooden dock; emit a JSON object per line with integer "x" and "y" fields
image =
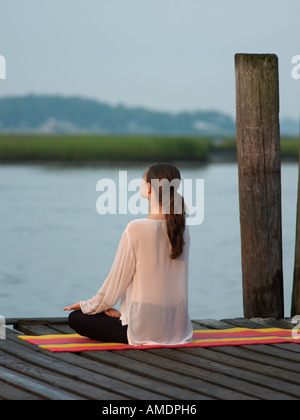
{"x": 257, "y": 372}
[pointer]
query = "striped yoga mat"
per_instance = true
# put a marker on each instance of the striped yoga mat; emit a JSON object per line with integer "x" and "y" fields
{"x": 201, "y": 338}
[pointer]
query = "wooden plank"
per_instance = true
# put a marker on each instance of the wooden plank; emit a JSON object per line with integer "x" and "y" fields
{"x": 219, "y": 385}
{"x": 210, "y": 324}
{"x": 53, "y": 373}
{"x": 62, "y": 329}
{"x": 88, "y": 381}
{"x": 36, "y": 387}
{"x": 267, "y": 349}
{"x": 252, "y": 384}
{"x": 291, "y": 347}
{"x": 250, "y": 354}
{"x": 270, "y": 378}
{"x": 244, "y": 323}
{"x": 156, "y": 378}
{"x": 9, "y": 392}
{"x": 274, "y": 323}
{"x": 58, "y": 381}
{"x": 179, "y": 373}
{"x": 36, "y": 321}
{"x": 259, "y": 162}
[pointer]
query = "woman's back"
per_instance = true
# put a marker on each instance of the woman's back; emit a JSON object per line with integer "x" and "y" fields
{"x": 155, "y": 305}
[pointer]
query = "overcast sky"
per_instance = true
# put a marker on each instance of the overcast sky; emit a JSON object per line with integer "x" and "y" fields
{"x": 161, "y": 54}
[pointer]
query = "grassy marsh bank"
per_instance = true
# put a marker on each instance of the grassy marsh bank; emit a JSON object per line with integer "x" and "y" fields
{"x": 80, "y": 149}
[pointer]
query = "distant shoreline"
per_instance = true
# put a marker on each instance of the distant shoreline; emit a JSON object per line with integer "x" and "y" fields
{"x": 93, "y": 150}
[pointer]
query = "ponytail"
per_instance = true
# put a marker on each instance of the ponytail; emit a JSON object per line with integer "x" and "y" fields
{"x": 176, "y": 214}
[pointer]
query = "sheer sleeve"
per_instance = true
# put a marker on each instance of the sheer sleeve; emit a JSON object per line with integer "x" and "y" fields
{"x": 120, "y": 276}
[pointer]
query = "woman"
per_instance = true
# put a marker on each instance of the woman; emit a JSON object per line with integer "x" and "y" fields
{"x": 149, "y": 275}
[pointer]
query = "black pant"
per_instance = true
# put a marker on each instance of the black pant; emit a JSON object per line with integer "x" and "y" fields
{"x": 99, "y": 327}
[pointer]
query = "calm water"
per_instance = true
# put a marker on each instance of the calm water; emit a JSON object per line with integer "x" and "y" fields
{"x": 55, "y": 249}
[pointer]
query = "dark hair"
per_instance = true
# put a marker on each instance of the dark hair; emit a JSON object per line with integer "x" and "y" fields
{"x": 176, "y": 220}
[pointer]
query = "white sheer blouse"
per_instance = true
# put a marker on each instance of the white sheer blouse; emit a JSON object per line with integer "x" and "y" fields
{"x": 152, "y": 287}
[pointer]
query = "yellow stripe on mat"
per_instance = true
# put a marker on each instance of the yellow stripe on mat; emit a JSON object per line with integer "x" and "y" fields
{"x": 43, "y": 337}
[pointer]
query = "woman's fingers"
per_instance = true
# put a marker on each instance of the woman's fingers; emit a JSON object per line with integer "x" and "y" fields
{"x": 113, "y": 313}
{"x": 74, "y": 307}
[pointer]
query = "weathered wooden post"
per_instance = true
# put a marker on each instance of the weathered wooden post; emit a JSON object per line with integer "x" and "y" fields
{"x": 296, "y": 289}
{"x": 259, "y": 162}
